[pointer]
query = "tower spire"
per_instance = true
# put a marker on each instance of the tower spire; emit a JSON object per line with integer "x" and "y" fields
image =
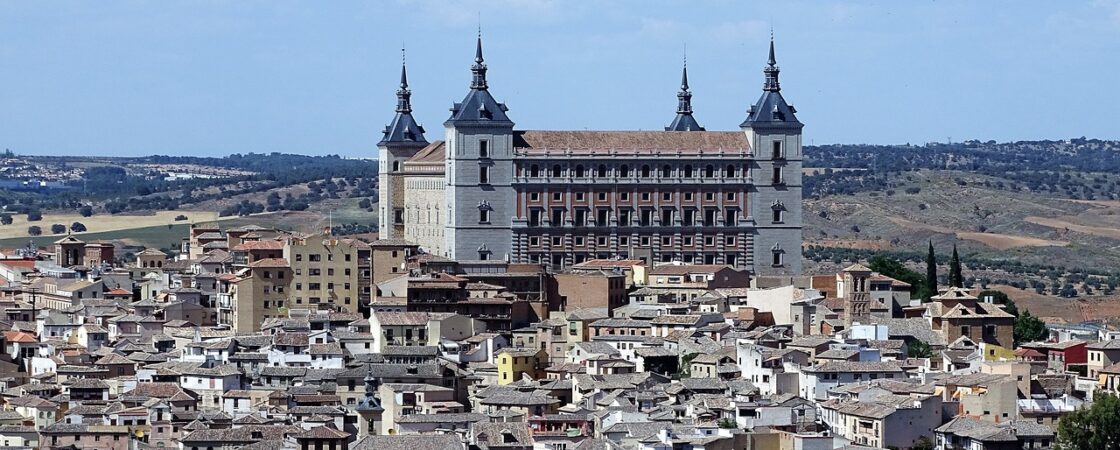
{"x": 404, "y": 95}
{"x": 684, "y": 120}
{"x": 771, "y": 70}
{"x": 478, "y": 70}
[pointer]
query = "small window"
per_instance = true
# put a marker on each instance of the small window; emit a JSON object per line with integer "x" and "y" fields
{"x": 778, "y": 176}
{"x": 777, "y": 216}
{"x": 777, "y": 150}
{"x": 484, "y": 175}
{"x": 484, "y": 216}
{"x": 484, "y": 149}
{"x": 534, "y": 196}
{"x": 776, "y": 261}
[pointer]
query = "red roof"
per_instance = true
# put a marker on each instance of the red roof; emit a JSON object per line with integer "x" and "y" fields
{"x": 270, "y": 263}
{"x": 271, "y": 244}
{"x": 19, "y": 336}
{"x": 119, "y": 291}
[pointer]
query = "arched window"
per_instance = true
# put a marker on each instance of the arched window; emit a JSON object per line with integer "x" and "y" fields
{"x": 645, "y": 170}
{"x": 534, "y": 171}
{"x": 602, "y": 171}
{"x": 666, "y": 171}
{"x": 729, "y": 172}
{"x": 579, "y": 171}
{"x": 688, "y": 171}
{"x": 709, "y": 171}
{"x": 556, "y": 171}
{"x": 624, "y": 171}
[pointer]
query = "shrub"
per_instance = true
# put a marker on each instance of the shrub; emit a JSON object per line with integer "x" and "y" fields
{"x": 34, "y": 230}
{"x": 58, "y": 228}
{"x": 77, "y": 227}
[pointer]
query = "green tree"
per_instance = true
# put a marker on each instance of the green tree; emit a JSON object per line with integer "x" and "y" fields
{"x": 919, "y": 349}
{"x": 5, "y": 219}
{"x": 1029, "y": 328}
{"x": 1000, "y": 298}
{"x": 955, "y": 278}
{"x": 1093, "y": 428}
{"x": 85, "y": 210}
{"x": 891, "y": 267}
{"x": 931, "y": 272}
{"x": 923, "y": 443}
{"x": 58, "y": 228}
{"x": 728, "y": 423}
{"x": 34, "y": 230}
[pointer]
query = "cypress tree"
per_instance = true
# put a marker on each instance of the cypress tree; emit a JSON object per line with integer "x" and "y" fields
{"x": 955, "y": 278}
{"x": 931, "y": 272}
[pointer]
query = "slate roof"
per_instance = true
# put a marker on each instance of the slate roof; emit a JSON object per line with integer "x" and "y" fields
{"x": 409, "y": 442}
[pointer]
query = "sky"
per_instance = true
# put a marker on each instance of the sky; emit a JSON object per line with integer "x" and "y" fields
{"x": 130, "y": 78}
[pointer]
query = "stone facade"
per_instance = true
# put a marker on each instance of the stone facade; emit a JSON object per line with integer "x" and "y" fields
{"x": 563, "y": 197}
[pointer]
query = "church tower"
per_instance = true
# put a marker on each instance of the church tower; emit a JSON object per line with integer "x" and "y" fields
{"x": 402, "y": 139}
{"x": 479, "y": 171}
{"x": 774, "y": 134}
{"x": 684, "y": 120}
{"x": 857, "y": 297}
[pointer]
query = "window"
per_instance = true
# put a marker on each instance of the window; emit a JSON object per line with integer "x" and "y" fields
{"x": 534, "y": 171}
{"x": 534, "y": 241}
{"x": 624, "y": 171}
{"x": 645, "y": 171}
{"x": 709, "y": 217}
{"x": 730, "y": 196}
{"x": 624, "y": 218}
{"x": 729, "y": 171}
{"x": 624, "y": 196}
{"x": 557, "y": 217}
{"x": 579, "y": 171}
{"x": 484, "y": 216}
{"x": 535, "y": 218}
{"x": 601, "y": 240}
{"x": 666, "y": 240}
{"x": 777, "y": 149}
{"x": 778, "y": 176}
{"x": 556, "y": 172}
{"x": 483, "y": 149}
{"x": 398, "y": 216}
{"x": 666, "y": 171}
{"x": 688, "y": 196}
{"x": 580, "y": 218}
{"x": 776, "y": 261}
{"x": 666, "y": 217}
{"x": 709, "y": 171}
{"x": 484, "y": 175}
{"x": 534, "y": 196}
{"x": 602, "y": 218}
{"x": 645, "y": 196}
{"x": 686, "y": 241}
{"x": 579, "y": 241}
{"x": 557, "y": 241}
{"x": 730, "y": 218}
{"x": 729, "y": 240}
{"x": 777, "y": 216}
{"x": 624, "y": 240}
{"x": 602, "y": 171}
{"x": 602, "y": 196}
{"x": 557, "y": 196}
{"x": 667, "y": 196}
{"x": 580, "y": 196}
{"x": 647, "y": 217}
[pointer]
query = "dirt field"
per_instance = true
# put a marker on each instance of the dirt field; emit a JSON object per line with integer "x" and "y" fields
{"x": 994, "y": 240}
{"x": 866, "y": 244}
{"x": 1006, "y": 241}
{"x": 1061, "y": 224}
{"x": 102, "y": 222}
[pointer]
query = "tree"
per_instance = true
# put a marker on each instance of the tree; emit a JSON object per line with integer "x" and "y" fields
{"x": 955, "y": 278}
{"x": 891, "y": 267}
{"x": 58, "y": 228}
{"x": 923, "y": 443}
{"x": 77, "y": 227}
{"x": 918, "y": 349}
{"x": 34, "y": 216}
{"x": 5, "y": 219}
{"x": 1029, "y": 328}
{"x": 1000, "y": 298}
{"x": 85, "y": 210}
{"x": 727, "y": 423}
{"x": 1092, "y": 428}
{"x": 34, "y": 230}
{"x": 931, "y": 272}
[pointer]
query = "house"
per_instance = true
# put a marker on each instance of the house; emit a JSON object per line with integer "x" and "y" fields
{"x": 515, "y": 363}
{"x": 816, "y": 381}
{"x": 975, "y": 434}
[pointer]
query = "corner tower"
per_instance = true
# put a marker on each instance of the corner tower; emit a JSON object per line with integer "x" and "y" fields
{"x": 774, "y": 134}
{"x": 479, "y": 171}
{"x": 403, "y": 137}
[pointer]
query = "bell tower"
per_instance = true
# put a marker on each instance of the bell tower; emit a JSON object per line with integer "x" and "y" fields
{"x": 403, "y": 137}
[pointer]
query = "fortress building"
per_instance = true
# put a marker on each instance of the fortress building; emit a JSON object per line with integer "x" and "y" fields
{"x": 490, "y": 191}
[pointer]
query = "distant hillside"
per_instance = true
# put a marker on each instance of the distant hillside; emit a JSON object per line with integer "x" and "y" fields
{"x": 1042, "y": 215}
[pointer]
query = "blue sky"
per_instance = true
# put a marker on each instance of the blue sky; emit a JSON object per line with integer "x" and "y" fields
{"x": 217, "y": 77}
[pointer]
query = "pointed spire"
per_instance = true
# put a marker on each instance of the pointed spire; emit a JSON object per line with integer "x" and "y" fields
{"x": 478, "y": 81}
{"x": 404, "y": 96}
{"x": 771, "y": 70}
{"x": 684, "y": 120}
